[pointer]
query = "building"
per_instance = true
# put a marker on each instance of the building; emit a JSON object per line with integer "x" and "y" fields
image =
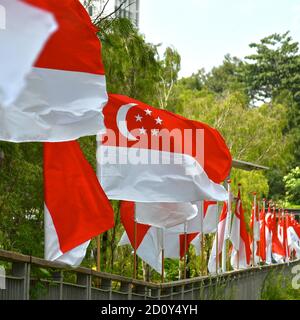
{"x": 130, "y": 9}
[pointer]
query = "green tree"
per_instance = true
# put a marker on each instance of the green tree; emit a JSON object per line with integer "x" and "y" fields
{"x": 194, "y": 82}
{"x": 273, "y": 75}
{"x": 292, "y": 186}
{"x": 131, "y": 65}
{"x": 170, "y": 67}
{"x": 225, "y": 78}
{"x": 274, "y": 67}
{"x": 21, "y": 198}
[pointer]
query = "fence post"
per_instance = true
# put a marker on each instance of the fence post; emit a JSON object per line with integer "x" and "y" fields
{"x": 106, "y": 285}
{"x": 126, "y": 287}
{"x": 85, "y": 280}
{"x": 20, "y": 270}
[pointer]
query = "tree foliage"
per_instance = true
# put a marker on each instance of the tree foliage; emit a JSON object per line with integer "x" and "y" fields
{"x": 273, "y": 68}
{"x": 292, "y": 186}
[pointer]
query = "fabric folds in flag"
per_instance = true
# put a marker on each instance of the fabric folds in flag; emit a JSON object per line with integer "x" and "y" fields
{"x": 76, "y": 208}
{"x": 262, "y": 241}
{"x": 255, "y": 233}
{"x": 293, "y": 238}
{"x": 21, "y": 26}
{"x": 241, "y": 252}
{"x": 152, "y": 155}
{"x": 150, "y": 240}
{"x": 65, "y": 91}
{"x": 164, "y": 215}
{"x": 212, "y": 262}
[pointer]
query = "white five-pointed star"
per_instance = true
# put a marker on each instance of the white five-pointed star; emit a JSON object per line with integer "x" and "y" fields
{"x": 158, "y": 120}
{"x": 155, "y": 132}
{"x": 142, "y": 131}
{"x": 148, "y": 112}
{"x": 138, "y": 118}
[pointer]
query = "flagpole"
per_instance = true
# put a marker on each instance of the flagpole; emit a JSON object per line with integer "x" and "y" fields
{"x": 253, "y": 230}
{"x": 217, "y": 241}
{"x": 258, "y": 213}
{"x": 163, "y": 256}
{"x": 238, "y": 251}
{"x": 286, "y": 239}
{"x": 227, "y": 228}
{"x": 202, "y": 240}
{"x": 202, "y": 255}
{"x": 185, "y": 251}
{"x": 98, "y": 239}
{"x": 99, "y": 253}
{"x": 274, "y": 215}
{"x": 135, "y": 245}
{"x": 264, "y": 225}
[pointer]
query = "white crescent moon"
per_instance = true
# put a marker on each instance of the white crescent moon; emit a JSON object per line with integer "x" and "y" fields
{"x": 122, "y": 123}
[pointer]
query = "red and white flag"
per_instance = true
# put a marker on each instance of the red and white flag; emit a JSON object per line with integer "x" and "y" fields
{"x": 241, "y": 252}
{"x": 205, "y": 223}
{"x": 283, "y": 238}
{"x": 255, "y": 233}
{"x": 278, "y": 251}
{"x": 149, "y": 241}
{"x": 76, "y": 208}
{"x": 212, "y": 262}
{"x": 268, "y": 234}
{"x": 176, "y": 245}
{"x": 168, "y": 226}
{"x": 65, "y": 90}
{"x": 280, "y": 226}
{"x": 262, "y": 237}
{"x": 21, "y": 26}
{"x": 152, "y": 155}
{"x": 191, "y": 230}
{"x": 149, "y": 249}
{"x": 293, "y": 236}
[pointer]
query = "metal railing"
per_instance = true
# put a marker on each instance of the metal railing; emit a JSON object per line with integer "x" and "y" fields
{"x": 34, "y": 278}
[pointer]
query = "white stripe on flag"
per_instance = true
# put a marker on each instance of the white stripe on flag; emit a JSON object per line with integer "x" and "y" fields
{"x": 164, "y": 215}
{"x": 181, "y": 179}
{"x": 150, "y": 248}
{"x": 24, "y": 29}
{"x": 73, "y": 257}
{"x": 55, "y": 106}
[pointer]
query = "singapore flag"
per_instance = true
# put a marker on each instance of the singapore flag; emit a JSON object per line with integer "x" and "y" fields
{"x": 65, "y": 91}
{"x": 24, "y": 29}
{"x": 152, "y": 155}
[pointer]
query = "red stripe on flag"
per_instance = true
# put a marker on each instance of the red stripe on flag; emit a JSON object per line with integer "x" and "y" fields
{"x": 127, "y": 218}
{"x": 78, "y": 206}
{"x": 75, "y": 46}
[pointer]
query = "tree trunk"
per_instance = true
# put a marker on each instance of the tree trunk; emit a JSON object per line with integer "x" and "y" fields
{"x": 104, "y": 250}
{"x": 146, "y": 272}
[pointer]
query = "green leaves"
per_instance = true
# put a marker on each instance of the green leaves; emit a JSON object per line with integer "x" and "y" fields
{"x": 21, "y": 198}
{"x": 131, "y": 64}
{"x": 292, "y": 186}
{"x": 273, "y": 68}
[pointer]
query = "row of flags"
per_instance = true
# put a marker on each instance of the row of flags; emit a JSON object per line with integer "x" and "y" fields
{"x": 276, "y": 239}
{"x": 153, "y": 239}
{"x": 166, "y": 169}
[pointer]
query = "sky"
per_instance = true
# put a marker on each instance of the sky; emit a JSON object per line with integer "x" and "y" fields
{"x": 203, "y": 31}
